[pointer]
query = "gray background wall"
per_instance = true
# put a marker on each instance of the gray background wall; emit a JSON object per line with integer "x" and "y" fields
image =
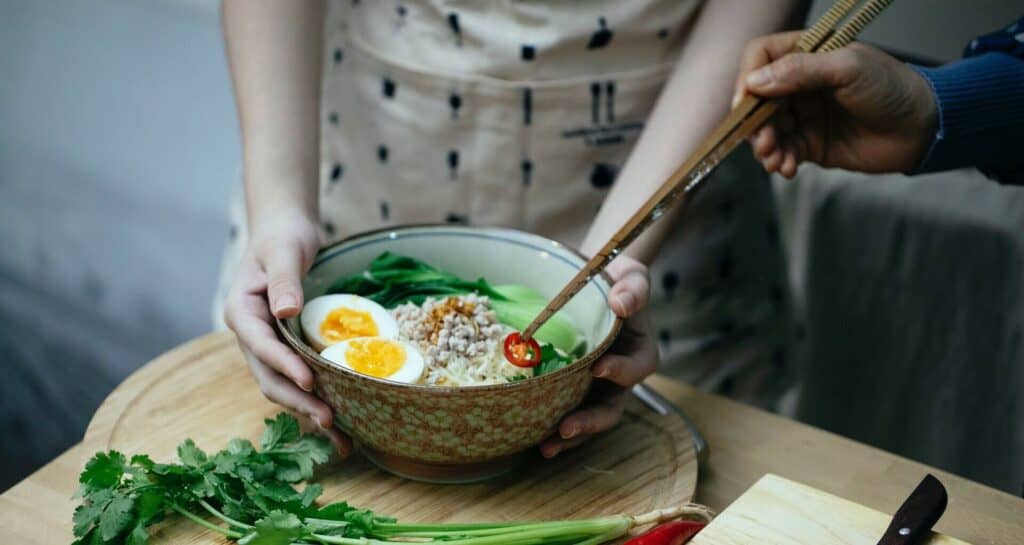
{"x": 118, "y": 150}
{"x": 935, "y": 28}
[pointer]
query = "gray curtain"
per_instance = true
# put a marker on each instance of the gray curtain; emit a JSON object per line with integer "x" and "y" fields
{"x": 910, "y": 295}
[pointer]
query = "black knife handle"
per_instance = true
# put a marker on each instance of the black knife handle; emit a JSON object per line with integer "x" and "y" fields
{"x": 915, "y": 518}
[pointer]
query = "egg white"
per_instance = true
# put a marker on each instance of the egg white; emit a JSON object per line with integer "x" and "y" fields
{"x": 316, "y": 310}
{"x": 409, "y": 373}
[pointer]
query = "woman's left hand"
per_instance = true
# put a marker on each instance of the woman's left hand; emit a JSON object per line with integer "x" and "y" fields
{"x": 629, "y": 361}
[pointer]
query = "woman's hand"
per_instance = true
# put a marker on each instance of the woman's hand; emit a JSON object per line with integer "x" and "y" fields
{"x": 856, "y": 108}
{"x": 629, "y": 361}
{"x": 268, "y": 285}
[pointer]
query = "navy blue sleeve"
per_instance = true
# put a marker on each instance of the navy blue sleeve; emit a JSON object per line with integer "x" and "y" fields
{"x": 980, "y": 102}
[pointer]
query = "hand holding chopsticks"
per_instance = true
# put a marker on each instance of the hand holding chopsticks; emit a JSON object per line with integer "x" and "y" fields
{"x": 857, "y": 108}
{"x": 752, "y": 112}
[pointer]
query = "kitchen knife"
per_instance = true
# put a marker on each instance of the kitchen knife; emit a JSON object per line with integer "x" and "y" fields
{"x": 913, "y": 521}
{"x": 657, "y": 403}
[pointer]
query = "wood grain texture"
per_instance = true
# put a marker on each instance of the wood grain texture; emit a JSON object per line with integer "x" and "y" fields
{"x": 783, "y": 512}
{"x": 746, "y": 444}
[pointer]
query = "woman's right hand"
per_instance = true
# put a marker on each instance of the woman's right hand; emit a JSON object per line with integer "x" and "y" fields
{"x": 856, "y": 108}
{"x": 280, "y": 250}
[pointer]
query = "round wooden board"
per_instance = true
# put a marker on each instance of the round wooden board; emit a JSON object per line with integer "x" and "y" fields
{"x": 203, "y": 390}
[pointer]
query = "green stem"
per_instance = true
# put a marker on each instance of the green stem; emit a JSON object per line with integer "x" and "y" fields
{"x": 140, "y": 487}
{"x": 561, "y": 539}
{"x": 441, "y": 526}
{"x": 283, "y": 451}
{"x": 215, "y": 512}
{"x": 326, "y": 522}
{"x": 541, "y": 534}
{"x": 347, "y": 540}
{"x": 442, "y": 530}
{"x": 516, "y": 539}
{"x": 189, "y": 515}
{"x": 608, "y": 536}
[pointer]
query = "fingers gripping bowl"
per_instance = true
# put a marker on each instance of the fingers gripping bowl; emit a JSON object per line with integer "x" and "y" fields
{"x": 457, "y": 433}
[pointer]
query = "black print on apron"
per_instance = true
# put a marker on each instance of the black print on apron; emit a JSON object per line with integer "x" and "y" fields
{"x": 603, "y": 132}
{"x": 602, "y": 37}
{"x": 455, "y": 101}
{"x": 453, "y": 23}
{"x": 453, "y": 164}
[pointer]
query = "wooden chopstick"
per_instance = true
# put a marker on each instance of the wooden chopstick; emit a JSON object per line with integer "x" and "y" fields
{"x": 741, "y": 122}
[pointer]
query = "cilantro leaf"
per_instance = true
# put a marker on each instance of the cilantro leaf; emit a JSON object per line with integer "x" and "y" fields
{"x": 327, "y": 527}
{"x": 241, "y": 447}
{"x": 283, "y": 429}
{"x": 138, "y": 467}
{"x": 142, "y": 461}
{"x": 288, "y": 472}
{"x": 150, "y": 507}
{"x": 550, "y": 360}
{"x": 334, "y": 511}
{"x": 138, "y": 535}
{"x": 176, "y": 480}
{"x": 190, "y": 454}
{"x": 310, "y": 494}
{"x": 361, "y": 522}
{"x": 117, "y": 517}
{"x": 271, "y": 495}
{"x": 295, "y": 463}
{"x": 277, "y": 528}
{"x": 88, "y": 513}
{"x": 104, "y": 470}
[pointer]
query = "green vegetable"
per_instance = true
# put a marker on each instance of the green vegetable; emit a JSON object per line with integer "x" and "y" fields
{"x": 559, "y": 330}
{"x": 393, "y": 280}
{"x": 550, "y": 360}
{"x": 247, "y": 494}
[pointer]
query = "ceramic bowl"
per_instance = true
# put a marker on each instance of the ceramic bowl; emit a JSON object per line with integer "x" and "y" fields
{"x": 457, "y": 434}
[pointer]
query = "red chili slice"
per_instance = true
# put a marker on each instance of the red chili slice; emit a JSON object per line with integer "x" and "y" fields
{"x": 676, "y": 532}
{"x": 521, "y": 353}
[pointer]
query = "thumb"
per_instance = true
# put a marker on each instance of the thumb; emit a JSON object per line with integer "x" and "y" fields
{"x": 284, "y": 267}
{"x": 630, "y": 293}
{"x": 801, "y": 72}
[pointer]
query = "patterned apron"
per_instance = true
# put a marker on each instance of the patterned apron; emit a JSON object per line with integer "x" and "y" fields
{"x": 519, "y": 114}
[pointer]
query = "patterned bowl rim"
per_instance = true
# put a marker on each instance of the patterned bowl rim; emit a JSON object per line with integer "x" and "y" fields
{"x": 514, "y": 236}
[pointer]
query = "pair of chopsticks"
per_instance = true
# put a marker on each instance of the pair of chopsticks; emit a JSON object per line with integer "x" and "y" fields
{"x": 825, "y": 35}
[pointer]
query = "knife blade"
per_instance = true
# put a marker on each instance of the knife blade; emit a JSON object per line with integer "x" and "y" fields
{"x": 914, "y": 519}
{"x": 657, "y": 403}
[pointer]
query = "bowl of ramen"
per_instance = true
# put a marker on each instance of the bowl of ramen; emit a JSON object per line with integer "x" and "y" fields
{"x": 404, "y": 329}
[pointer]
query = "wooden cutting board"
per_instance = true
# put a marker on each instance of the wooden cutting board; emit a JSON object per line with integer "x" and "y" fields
{"x": 783, "y": 512}
{"x": 203, "y": 390}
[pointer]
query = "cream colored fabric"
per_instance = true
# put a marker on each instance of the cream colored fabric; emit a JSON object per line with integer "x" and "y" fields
{"x": 519, "y": 114}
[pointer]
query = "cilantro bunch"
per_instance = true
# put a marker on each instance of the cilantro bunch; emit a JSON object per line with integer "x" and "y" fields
{"x": 249, "y": 495}
{"x": 248, "y": 490}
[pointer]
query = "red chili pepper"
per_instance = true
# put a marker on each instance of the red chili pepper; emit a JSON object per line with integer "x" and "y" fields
{"x": 521, "y": 353}
{"x": 676, "y": 532}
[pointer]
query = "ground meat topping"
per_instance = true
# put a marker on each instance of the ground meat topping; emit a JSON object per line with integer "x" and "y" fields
{"x": 459, "y": 330}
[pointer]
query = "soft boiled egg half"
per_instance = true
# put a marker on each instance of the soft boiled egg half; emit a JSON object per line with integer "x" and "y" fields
{"x": 380, "y": 358}
{"x": 331, "y": 319}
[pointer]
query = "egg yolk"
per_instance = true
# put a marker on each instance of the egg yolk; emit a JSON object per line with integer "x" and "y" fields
{"x": 346, "y": 323}
{"x": 375, "y": 357}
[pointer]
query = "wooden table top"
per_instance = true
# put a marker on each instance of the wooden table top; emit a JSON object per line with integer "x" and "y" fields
{"x": 745, "y": 444}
